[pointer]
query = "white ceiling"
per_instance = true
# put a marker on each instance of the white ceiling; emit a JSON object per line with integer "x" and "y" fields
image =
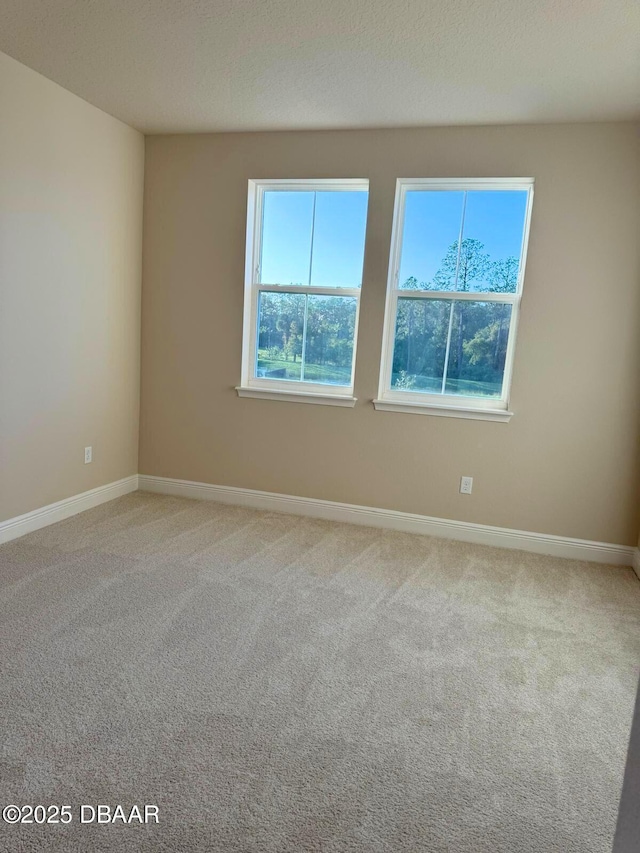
{"x": 209, "y": 65}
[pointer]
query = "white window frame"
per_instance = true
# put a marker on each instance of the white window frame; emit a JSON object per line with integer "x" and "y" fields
{"x": 286, "y": 389}
{"x": 448, "y": 405}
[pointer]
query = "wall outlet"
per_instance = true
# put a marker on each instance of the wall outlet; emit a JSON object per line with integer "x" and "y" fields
{"x": 88, "y": 455}
{"x": 466, "y": 485}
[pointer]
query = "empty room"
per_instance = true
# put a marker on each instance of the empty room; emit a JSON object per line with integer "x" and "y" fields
{"x": 320, "y": 426}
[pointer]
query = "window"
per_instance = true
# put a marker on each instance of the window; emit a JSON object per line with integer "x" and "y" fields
{"x": 455, "y": 280}
{"x": 305, "y": 253}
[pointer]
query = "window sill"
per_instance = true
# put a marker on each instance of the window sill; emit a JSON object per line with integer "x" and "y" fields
{"x": 408, "y": 407}
{"x": 347, "y": 401}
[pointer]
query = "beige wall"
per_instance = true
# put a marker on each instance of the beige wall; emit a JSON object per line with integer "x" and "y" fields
{"x": 566, "y": 464}
{"x": 71, "y": 180}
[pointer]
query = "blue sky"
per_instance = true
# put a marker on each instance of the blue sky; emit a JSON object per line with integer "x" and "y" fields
{"x": 431, "y": 225}
{"x": 338, "y": 238}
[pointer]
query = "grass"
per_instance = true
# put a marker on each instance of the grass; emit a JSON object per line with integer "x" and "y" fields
{"x": 464, "y": 387}
{"x": 326, "y": 373}
{"x": 329, "y": 374}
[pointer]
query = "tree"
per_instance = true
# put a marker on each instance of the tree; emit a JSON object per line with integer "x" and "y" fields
{"x": 283, "y": 315}
{"x": 480, "y": 348}
{"x": 503, "y": 275}
{"x": 292, "y": 339}
{"x": 479, "y": 328}
{"x": 503, "y": 278}
{"x": 458, "y": 271}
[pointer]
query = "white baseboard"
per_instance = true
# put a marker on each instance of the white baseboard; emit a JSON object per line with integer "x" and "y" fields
{"x": 30, "y": 521}
{"x": 636, "y": 561}
{"x": 480, "y": 534}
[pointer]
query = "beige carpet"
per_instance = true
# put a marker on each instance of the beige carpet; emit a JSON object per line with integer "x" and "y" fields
{"x": 280, "y": 684}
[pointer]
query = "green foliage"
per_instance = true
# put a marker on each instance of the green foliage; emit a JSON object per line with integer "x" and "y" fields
{"x": 459, "y": 270}
{"x": 404, "y": 382}
{"x": 479, "y": 330}
{"x": 503, "y": 275}
{"x": 473, "y": 271}
{"x": 478, "y": 340}
{"x": 328, "y": 340}
{"x": 481, "y": 346}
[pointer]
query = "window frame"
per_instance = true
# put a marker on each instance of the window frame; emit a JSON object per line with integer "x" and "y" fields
{"x": 448, "y": 405}
{"x": 288, "y": 389}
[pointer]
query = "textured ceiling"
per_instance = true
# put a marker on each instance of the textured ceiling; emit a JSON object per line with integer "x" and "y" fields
{"x": 204, "y": 65}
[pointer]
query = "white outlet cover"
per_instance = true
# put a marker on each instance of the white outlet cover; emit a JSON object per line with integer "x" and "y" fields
{"x": 466, "y": 485}
{"x": 88, "y": 455}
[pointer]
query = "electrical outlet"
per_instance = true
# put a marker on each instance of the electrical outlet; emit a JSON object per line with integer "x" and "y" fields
{"x": 88, "y": 455}
{"x": 466, "y": 485}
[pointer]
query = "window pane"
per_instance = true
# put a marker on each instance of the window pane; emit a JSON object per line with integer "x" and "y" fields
{"x": 313, "y": 238}
{"x": 420, "y": 345}
{"x": 329, "y": 339}
{"x": 489, "y": 255}
{"x": 432, "y": 221}
{"x": 338, "y": 239}
{"x": 321, "y": 354}
{"x": 287, "y": 223}
{"x": 477, "y": 348}
{"x": 479, "y": 335}
{"x": 492, "y": 240}
{"x": 280, "y": 329}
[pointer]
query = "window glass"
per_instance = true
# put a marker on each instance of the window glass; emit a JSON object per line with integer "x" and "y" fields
{"x": 338, "y": 239}
{"x": 492, "y": 240}
{"x": 280, "y": 329}
{"x": 479, "y": 335}
{"x": 287, "y": 224}
{"x": 311, "y": 237}
{"x": 457, "y": 240}
{"x": 420, "y": 344}
{"x": 431, "y": 227}
{"x": 473, "y": 362}
{"x": 329, "y": 339}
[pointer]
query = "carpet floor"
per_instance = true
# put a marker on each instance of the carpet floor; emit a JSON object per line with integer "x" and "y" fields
{"x": 276, "y": 684}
